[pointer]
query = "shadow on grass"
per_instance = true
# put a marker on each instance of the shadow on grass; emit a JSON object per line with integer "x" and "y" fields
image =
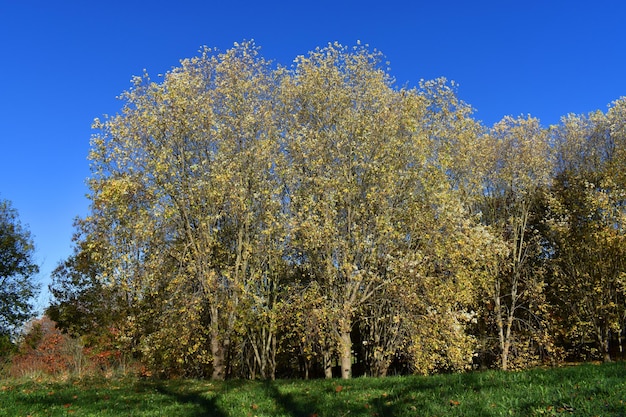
{"x": 201, "y": 405}
{"x": 357, "y": 397}
{"x": 289, "y": 403}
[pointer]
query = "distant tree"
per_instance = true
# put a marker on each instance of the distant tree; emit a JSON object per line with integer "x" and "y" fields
{"x": 17, "y": 269}
{"x": 80, "y": 304}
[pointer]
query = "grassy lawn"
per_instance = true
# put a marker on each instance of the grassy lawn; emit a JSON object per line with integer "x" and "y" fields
{"x": 586, "y": 390}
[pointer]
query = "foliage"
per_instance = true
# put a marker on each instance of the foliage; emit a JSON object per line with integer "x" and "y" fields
{"x": 519, "y": 170}
{"x": 187, "y": 196}
{"x": 212, "y": 185}
{"x": 249, "y": 220}
{"x": 44, "y": 349}
{"x": 370, "y": 193}
{"x": 586, "y": 222}
{"x": 81, "y": 304}
{"x": 17, "y": 271}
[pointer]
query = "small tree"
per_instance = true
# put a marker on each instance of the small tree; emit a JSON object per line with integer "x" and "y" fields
{"x": 17, "y": 269}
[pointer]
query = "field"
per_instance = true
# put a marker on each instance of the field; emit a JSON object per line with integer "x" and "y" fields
{"x": 585, "y": 390}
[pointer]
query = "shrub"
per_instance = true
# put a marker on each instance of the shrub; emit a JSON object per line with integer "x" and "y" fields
{"x": 44, "y": 349}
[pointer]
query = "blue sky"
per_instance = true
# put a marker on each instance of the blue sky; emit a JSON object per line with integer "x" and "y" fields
{"x": 62, "y": 64}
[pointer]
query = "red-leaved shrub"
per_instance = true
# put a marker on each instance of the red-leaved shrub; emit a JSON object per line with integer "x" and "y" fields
{"x": 44, "y": 349}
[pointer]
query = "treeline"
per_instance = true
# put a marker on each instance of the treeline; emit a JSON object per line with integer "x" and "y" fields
{"x": 249, "y": 220}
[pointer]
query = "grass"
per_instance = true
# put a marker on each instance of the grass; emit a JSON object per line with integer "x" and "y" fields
{"x": 586, "y": 390}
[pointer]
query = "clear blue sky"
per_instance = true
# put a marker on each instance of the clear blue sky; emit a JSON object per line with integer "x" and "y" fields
{"x": 62, "y": 63}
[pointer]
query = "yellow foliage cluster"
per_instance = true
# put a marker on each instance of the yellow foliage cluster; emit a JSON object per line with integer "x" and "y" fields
{"x": 248, "y": 211}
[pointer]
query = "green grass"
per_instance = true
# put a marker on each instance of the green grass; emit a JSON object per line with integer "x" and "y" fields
{"x": 586, "y": 390}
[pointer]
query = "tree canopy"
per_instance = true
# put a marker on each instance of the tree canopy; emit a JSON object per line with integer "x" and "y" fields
{"x": 253, "y": 220}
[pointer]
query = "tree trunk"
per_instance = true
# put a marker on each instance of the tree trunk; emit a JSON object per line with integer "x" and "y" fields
{"x": 507, "y": 339}
{"x": 218, "y": 348}
{"x": 345, "y": 353}
{"x": 328, "y": 368}
{"x": 219, "y": 359}
{"x": 504, "y": 364}
{"x": 307, "y": 366}
{"x": 272, "y": 358}
{"x": 603, "y": 339}
{"x": 381, "y": 367}
{"x": 504, "y": 351}
{"x": 505, "y": 330}
{"x": 620, "y": 339}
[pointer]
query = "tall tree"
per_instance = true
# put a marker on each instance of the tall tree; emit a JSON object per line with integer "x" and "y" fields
{"x": 80, "y": 303}
{"x": 348, "y": 142}
{"x": 445, "y": 255}
{"x": 373, "y": 190}
{"x": 520, "y": 167}
{"x": 197, "y": 154}
{"x": 17, "y": 271}
{"x": 587, "y": 224}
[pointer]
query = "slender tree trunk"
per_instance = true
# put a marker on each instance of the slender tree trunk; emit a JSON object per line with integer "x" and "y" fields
{"x": 620, "y": 338}
{"x": 504, "y": 336}
{"x": 345, "y": 350}
{"x": 603, "y": 340}
{"x": 218, "y": 351}
{"x": 328, "y": 367}
{"x": 505, "y": 328}
{"x": 272, "y": 357}
{"x": 509, "y": 324}
{"x": 504, "y": 350}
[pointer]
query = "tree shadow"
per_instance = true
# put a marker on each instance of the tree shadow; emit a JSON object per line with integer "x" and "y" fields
{"x": 203, "y": 406}
{"x": 288, "y": 403}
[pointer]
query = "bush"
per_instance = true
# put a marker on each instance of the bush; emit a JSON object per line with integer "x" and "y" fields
{"x": 44, "y": 349}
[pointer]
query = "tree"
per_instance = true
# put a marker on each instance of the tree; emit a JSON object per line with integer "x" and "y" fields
{"x": 586, "y": 228}
{"x": 348, "y": 140}
{"x": 17, "y": 270}
{"x": 376, "y": 201}
{"x": 443, "y": 253}
{"x": 520, "y": 167}
{"x": 590, "y": 248}
{"x": 187, "y": 202}
{"x": 81, "y": 303}
{"x": 243, "y": 212}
